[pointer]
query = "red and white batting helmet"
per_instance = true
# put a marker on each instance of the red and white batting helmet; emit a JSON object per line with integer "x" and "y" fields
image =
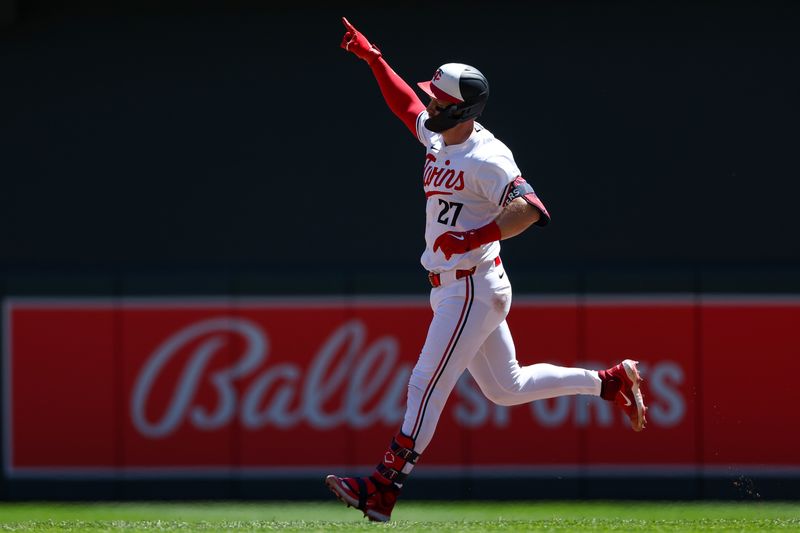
{"x": 464, "y": 87}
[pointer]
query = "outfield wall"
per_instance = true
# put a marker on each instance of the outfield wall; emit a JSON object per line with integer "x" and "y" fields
{"x": 260, "y": 392}
{"x": 157, "y": 151}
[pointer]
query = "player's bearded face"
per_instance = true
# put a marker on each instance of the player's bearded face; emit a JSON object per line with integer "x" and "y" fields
{"x": 442, "y": 115}
{"x": 437, "y": 106}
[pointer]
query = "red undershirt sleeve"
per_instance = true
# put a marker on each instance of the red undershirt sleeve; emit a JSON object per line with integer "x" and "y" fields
{"x": 400, "y": 98}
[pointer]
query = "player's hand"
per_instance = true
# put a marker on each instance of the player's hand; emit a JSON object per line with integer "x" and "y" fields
{"x": 461, "y": 242}
{"x": 453, "y": 242}
{"x": 355, "y": 42}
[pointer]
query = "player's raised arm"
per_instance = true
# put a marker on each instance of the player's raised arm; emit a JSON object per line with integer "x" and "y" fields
{"x": 401, "y": 98}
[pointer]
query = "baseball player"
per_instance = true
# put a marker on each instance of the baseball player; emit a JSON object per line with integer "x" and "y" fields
{"x": 476, "y": 197}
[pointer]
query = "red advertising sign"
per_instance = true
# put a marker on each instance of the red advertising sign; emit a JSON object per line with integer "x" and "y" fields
{"x": 276, "y": 387}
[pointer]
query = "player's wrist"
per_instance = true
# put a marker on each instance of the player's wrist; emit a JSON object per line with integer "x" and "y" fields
{"x": 485, "y": 234}
{"x": 372, "y": 56}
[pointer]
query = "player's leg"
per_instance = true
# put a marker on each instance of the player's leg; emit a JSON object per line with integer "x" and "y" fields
{"x": 502, "y": 380}
{"x": 459, "y": 327}
{"x": 465, "y": 312}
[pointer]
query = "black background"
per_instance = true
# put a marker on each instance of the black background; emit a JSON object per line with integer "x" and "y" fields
{"x": 236, "y": 143}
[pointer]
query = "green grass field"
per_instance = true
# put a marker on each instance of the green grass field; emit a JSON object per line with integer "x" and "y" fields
{"x": 408, "y": 516}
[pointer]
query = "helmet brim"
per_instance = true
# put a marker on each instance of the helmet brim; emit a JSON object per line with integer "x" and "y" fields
{"x": 434, "y": 92}
{"x": 426, "y": 88}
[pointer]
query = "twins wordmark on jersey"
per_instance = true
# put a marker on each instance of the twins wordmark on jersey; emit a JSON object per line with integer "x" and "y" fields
{"x": 435, "y": 178}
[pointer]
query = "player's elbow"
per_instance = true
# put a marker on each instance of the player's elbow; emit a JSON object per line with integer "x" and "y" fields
{"x": 518, "y": 216}
{"x": 534, "y": 215}
{"x": 527, "y": 214}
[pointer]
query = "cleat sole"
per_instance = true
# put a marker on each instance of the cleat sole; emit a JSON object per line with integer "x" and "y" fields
{"x": 632, "y": 372}
{"x": 333, "y": 485}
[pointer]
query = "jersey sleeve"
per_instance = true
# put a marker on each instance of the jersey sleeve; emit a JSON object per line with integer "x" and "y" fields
{"x": 494, "y": 175}
{"x": 501, "y": 182}
{"x": 519, "y": 188}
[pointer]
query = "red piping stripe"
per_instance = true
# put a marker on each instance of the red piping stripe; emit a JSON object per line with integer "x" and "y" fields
{"x": 444, "y": 356}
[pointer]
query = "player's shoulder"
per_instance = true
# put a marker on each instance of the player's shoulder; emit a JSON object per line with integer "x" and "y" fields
{"x": 428, "y": 138}
{"x": 488, "y": 148}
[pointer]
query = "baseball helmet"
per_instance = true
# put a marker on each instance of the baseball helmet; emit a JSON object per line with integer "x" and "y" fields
{"x": 463, "y": 87}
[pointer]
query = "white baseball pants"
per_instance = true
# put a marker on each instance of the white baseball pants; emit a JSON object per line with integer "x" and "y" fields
{"x": 469, "y": 330}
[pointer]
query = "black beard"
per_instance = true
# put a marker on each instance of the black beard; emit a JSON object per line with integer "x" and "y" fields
{"x": 441, "y": 122}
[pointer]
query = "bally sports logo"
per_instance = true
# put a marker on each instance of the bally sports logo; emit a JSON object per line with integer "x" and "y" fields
{"x": 149, "y": 386}
{"x": 366, "y": 381}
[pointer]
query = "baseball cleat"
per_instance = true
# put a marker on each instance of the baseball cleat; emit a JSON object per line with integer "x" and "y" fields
{"x": 622, "y": 385}
{"x": 375, "y": 500}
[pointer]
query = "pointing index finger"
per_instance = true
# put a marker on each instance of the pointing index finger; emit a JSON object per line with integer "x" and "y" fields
{"x": 347, "y": 24}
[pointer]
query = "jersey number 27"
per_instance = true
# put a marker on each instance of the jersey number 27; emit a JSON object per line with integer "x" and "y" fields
{"x": 449, "y": 213}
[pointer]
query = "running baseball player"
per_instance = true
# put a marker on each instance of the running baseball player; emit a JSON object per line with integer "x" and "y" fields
{"x": 476, "y": 197}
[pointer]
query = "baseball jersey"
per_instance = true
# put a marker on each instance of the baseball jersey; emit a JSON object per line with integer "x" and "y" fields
{"x": 465, "y": 187}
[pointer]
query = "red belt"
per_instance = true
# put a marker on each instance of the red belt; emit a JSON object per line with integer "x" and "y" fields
{"x": 436, "y": 279}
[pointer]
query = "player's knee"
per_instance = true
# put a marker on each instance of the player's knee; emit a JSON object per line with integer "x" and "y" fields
{"x": 419, "y": 379}
{"x": 505, "y": 394}
{"x": 501, "y": 398}
{"x": 500, "y": 395}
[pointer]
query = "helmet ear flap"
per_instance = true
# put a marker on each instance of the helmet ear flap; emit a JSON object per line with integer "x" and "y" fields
{"x": 453, "y": 111}
{"x": 468, "y": 111}
{"x": 446, "y": 119}
{"x": 454, "y": 114}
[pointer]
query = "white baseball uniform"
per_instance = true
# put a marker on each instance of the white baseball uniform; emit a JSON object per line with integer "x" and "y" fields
{"x": 466, "y": 186}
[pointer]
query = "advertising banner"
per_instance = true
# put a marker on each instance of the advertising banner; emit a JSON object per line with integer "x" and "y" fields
{"x": 174, "y": 387}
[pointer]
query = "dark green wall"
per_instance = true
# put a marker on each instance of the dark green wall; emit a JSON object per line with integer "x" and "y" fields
{"x": 236, "y": 139}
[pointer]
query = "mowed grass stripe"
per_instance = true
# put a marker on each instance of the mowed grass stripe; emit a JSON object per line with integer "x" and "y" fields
{"x": 408, "y": 516}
